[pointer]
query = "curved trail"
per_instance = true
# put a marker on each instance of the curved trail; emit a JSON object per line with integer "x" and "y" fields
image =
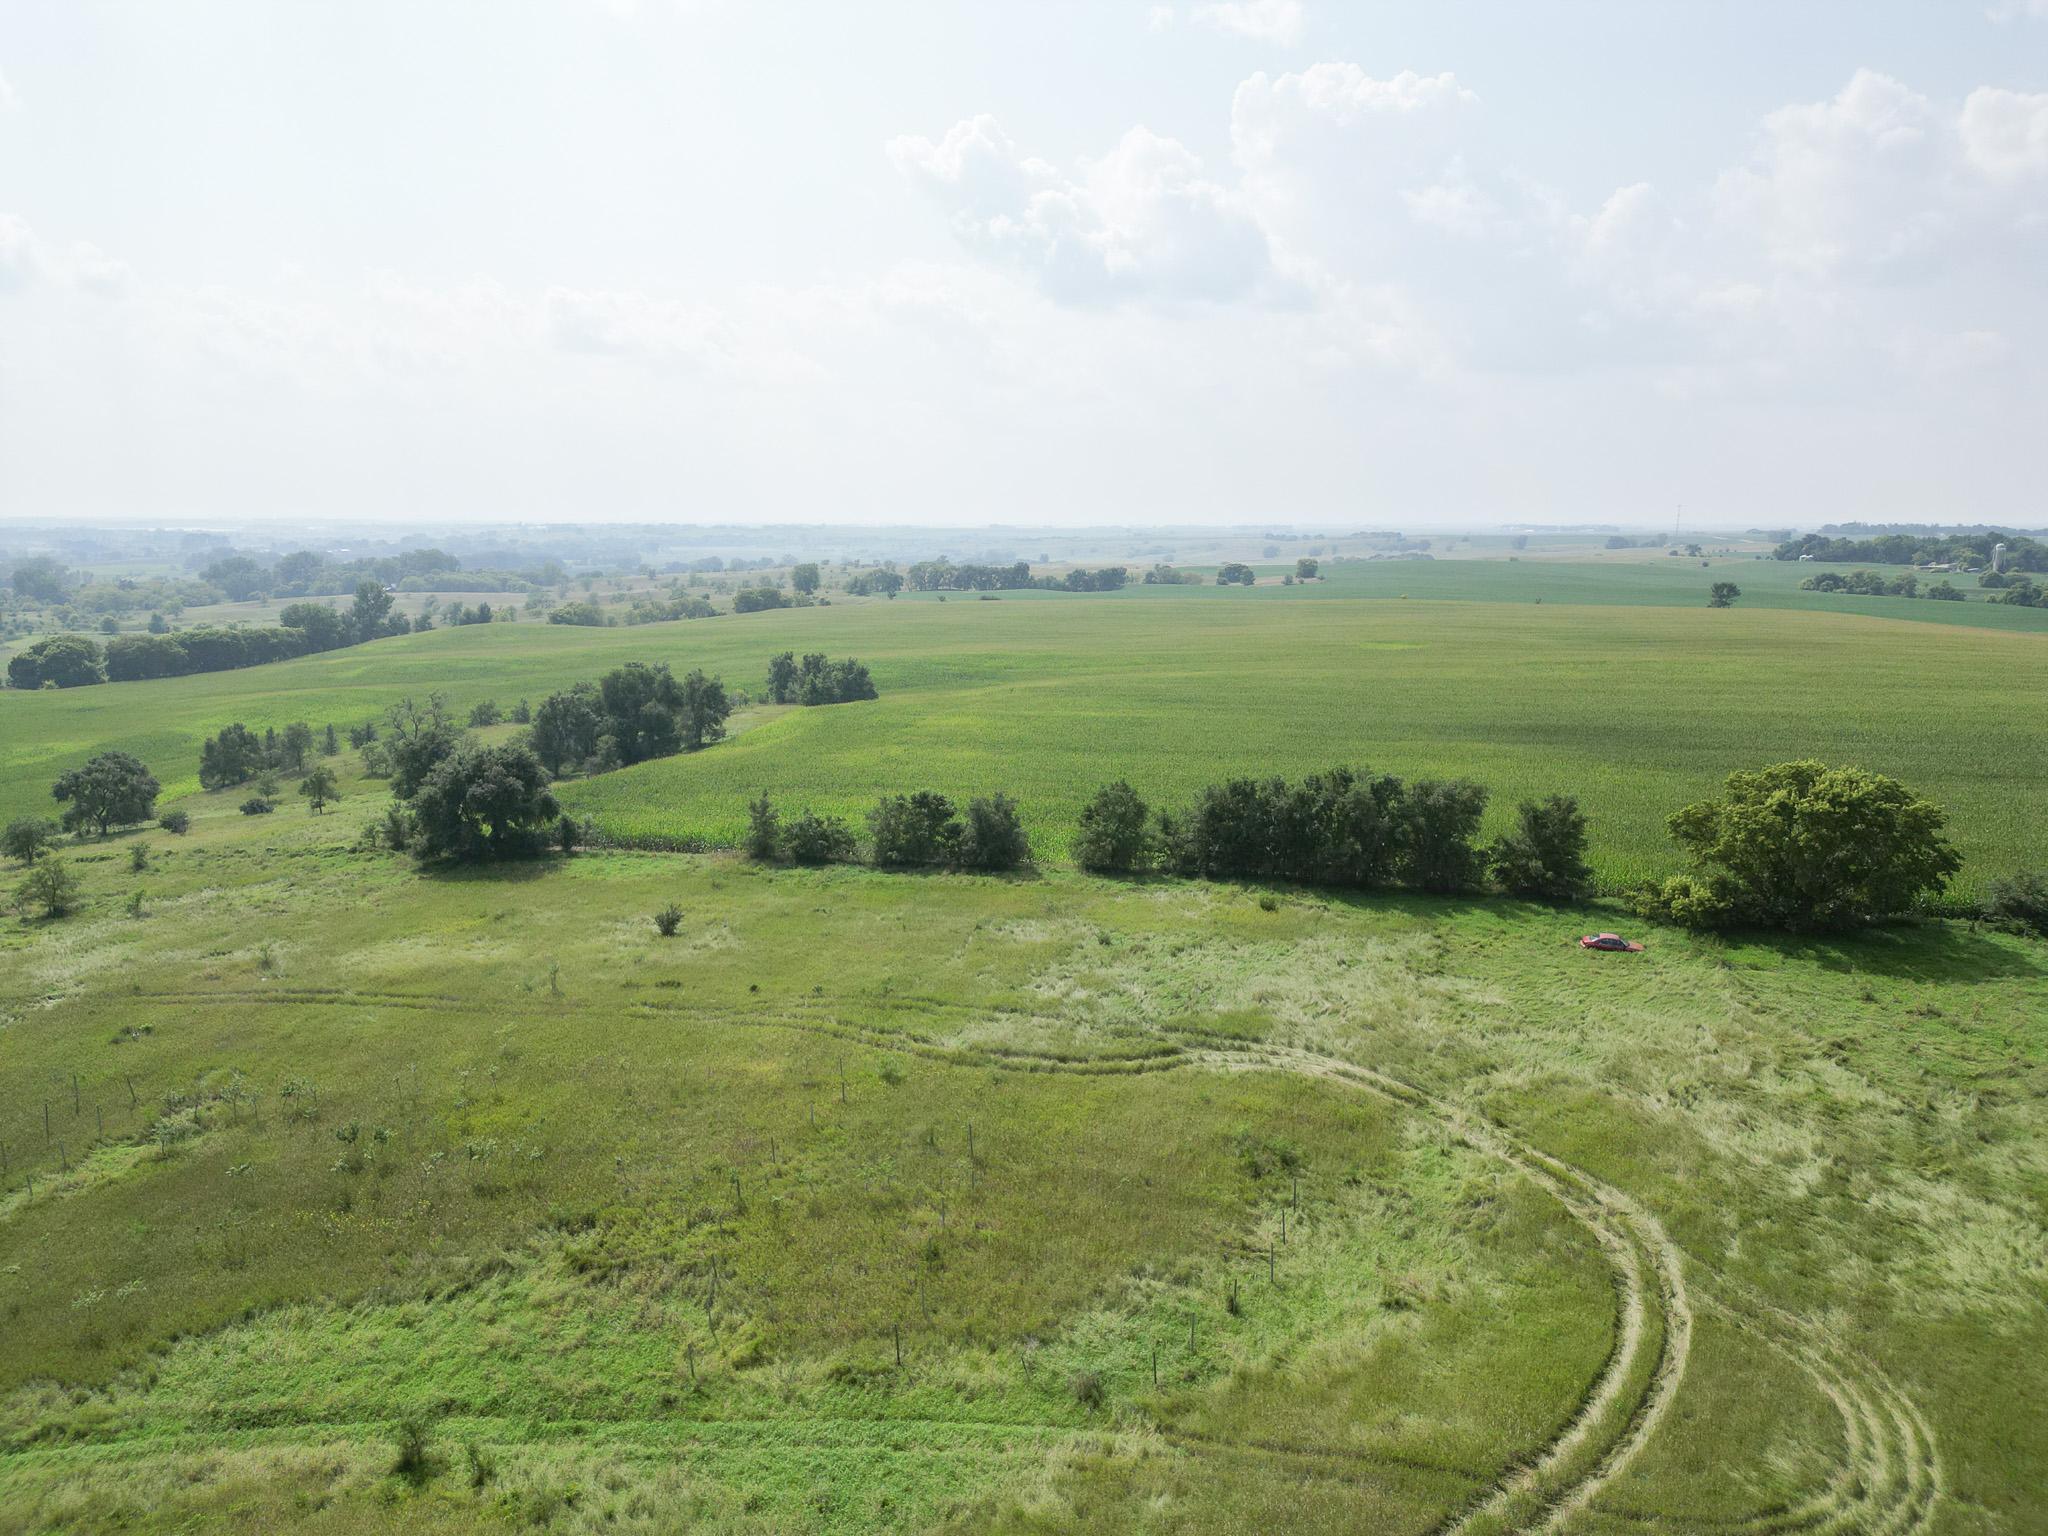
{"x": 1889, "y": 1480}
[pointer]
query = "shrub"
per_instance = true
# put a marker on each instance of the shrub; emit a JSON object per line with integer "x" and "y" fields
{"x": 809, "y": 839}
{"x": 1545, "y": 856}
{"x": 258, "y": 805}
{"x": 912, "y": 830}
{"x": 2019, "y": 902}
{"x": 1087, "y": 1388}
{"x": 993, "y": 836}
{"x": 1113, "y": 830}
{"x": 27, "y": 836}
{"x": 1803, "y": 847}
{"x": 668, "y": 920}
{"x": 178, "y": 823}
{"x": 415, "y": 1459}
{"x": 138, "y": 858}
{"x": 395, "y": 829}
{"x": 49, "y": 889}
{"x": 1723, "y": 594}
{"x": 764, "y": 830}
{"x": 485, "y": 713}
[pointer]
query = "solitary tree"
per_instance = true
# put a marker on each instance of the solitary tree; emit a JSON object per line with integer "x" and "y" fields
{"x": 319, "y": 787}
{"x": 1306, "y": 569}
{"x": 1723, "y": 594}
{"x": 26, "y": 837}
{"x": 804, "y": 577}
{"x": 112, "y": 789}
{"x": 485, "y": 803}
{"x": 1803, "y": 846}
{"x": 50, "y": 889}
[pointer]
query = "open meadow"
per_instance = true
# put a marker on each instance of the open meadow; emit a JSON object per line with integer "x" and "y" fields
{"x": 342, "y": 1196}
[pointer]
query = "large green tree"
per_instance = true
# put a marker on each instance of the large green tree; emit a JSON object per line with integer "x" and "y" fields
{"x": 485, "y": 803}
{"x": 1804, "y": 847}
{"x": 111, "y": 790}
{"x": 62, "y": 661}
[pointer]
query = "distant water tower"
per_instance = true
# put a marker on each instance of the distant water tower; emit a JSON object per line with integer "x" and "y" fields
{"x": 1998, "y": 557}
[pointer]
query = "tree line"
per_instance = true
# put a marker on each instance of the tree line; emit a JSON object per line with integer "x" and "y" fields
{"x": 922, "y": 830}
{"x": 303, "y": 629}
{"x": 1797, "y": 847}
{"x": 1964, "y": 549}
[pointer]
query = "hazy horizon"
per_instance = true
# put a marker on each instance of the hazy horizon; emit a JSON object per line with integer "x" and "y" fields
{"x": 1262, "y": 263}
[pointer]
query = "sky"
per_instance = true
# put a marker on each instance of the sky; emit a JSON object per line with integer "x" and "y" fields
{"x": 1261, "y": 261}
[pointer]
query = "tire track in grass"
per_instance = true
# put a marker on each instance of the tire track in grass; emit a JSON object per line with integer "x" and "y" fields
{"x": 1890, "y": 1479}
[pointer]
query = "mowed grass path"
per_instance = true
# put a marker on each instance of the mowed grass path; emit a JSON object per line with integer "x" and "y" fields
{"x": 1634, "y": 709}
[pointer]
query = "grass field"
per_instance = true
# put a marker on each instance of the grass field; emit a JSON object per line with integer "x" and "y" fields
{"x": 1635, "y": 709}
{"x": 1423, "y": 1217}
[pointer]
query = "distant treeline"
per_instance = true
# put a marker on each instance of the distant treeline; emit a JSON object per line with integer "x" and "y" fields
{"x": 74, "y": 661}
{"x": 1964, "y": 549}
{"x": 309, "y": 573}
{"x": 944, "y": 576}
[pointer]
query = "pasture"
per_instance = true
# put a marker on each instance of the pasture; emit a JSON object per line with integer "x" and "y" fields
{"x": 1421, "y": 1216}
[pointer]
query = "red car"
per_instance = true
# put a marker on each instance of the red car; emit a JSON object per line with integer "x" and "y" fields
{"x": 1610, "y": 941}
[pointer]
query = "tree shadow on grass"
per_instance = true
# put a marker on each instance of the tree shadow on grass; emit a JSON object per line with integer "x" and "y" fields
{"x": 1907, "y": 951}
{"x": 519, "y": 871}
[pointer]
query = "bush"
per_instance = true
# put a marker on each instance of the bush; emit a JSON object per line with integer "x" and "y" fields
{"x": 993, "y": 837}
{"x": 485, "y": 713}
{"x": 668, "y": 920}
{"x": 2019, "y": 902}
{"x": 914, "y": 830}
{"x": 1113, "y": 833}
{"x": 1803, "y": 847}
{"x": 764, "y": 830}
{"x": 178, "y": 823}
{"x": 1087, "y": 1388}
{"x": 258, "y": 805}
{"x": 415, "y": 1459}
{"x": 809, "y": 839}
{"x": 1544, "y": 858}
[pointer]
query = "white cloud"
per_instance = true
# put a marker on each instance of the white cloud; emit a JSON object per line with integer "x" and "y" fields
{"x": 1142, "y": 221}
{"x": 9, "y": 101}
{"x": 1263, "y": 21}
{"x": 1849, "y": 183}
{"x": 1159, "y": 18}
{"x": 19, "y": 259}
{"x": 2005, "y": 133}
